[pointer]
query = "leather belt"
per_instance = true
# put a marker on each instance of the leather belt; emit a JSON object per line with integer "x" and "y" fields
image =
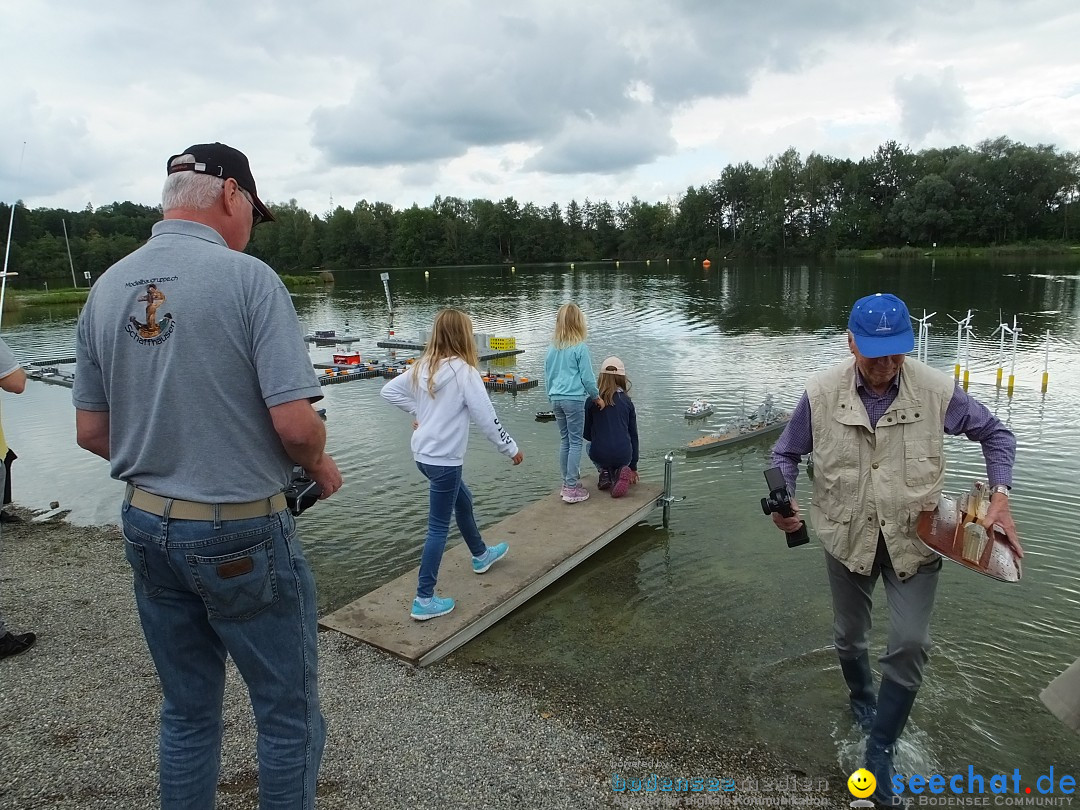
{"x": 192, "y": 510}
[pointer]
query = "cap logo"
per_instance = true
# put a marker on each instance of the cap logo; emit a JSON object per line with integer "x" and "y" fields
{"x": 883, "y": 324}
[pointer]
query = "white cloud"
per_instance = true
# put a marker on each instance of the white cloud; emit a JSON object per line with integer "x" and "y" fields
{"x": 931, "y": 104}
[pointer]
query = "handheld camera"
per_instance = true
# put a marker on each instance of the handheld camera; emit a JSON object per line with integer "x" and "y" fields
{"x": 302, "y": 492}
{"x": 780, "y": 501}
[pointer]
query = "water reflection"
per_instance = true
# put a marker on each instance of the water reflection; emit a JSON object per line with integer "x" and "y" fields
{"x": 712, "y": 629}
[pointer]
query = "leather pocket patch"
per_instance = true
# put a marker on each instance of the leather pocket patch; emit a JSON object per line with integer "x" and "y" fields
{"x": 236, "y": 568}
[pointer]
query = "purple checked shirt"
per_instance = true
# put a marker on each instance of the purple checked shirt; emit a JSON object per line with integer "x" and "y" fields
{"x": 964, "y": 415}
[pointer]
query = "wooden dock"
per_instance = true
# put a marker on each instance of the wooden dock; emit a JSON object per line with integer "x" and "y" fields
{"x": 547, "y": 539}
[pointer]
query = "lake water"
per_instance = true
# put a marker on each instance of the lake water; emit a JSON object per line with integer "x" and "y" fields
{"x": 712, "y": 631}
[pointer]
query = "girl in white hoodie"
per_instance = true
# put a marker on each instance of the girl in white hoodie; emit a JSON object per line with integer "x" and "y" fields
{"x": 444, "y": 392}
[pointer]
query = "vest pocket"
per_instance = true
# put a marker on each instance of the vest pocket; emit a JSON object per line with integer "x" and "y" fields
{"x": 837, "y": 510}
{"x": 922, "y": 460}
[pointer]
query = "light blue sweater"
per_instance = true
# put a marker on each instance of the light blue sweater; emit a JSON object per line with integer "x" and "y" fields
{"x": 568, "y": 373}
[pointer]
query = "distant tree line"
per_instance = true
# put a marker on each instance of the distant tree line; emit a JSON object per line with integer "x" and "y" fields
{"x": 999, "y": 192}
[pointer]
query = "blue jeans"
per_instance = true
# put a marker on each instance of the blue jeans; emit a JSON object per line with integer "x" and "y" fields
{"x": 570, "y": 417}
{"x": 447, "y": 494}
{"x": 239, "y": 588}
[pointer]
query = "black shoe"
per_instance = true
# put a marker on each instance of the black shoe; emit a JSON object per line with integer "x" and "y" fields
{"x": 11, "y": 644}
{"x": 10, "y": 517}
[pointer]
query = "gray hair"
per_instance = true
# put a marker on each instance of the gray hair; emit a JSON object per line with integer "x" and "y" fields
{"x": 190, "y": 189}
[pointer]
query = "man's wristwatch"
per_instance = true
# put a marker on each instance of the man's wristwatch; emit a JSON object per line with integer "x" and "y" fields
{"x": 1004, "y": 490}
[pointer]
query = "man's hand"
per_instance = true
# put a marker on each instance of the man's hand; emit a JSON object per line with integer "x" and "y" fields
{"x": 325, "y": 473}
{"x": 600, "y": 403}
{"x": 520, "y": 457}
{"x": 998, "y": 514}
{"x": 788, "y": 524}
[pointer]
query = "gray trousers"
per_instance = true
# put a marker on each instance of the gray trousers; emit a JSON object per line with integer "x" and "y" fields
{"x": 910, "y": 604}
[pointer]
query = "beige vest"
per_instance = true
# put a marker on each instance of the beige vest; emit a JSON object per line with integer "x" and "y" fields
{"x": 877, "y": 480}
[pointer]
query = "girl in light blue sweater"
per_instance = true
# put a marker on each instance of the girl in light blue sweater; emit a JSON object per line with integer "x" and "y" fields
{"x": 569, "y": 380}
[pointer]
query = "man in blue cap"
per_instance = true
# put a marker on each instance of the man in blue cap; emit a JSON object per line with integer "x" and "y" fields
{"x": 875, "y": 424}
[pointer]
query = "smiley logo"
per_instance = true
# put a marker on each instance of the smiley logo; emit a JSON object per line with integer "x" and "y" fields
{"x": 861, "y": 783}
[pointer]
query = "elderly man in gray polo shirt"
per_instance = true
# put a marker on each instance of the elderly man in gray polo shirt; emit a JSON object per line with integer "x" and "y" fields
{"x": 194, "y": 382}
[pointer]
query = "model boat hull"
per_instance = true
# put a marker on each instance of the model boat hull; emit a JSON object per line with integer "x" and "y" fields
{"x": 708, "y": 444}
{"x": 942, "y": 530}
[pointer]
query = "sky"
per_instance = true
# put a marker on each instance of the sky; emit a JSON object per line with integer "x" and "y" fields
{"x": 335, "y": 101}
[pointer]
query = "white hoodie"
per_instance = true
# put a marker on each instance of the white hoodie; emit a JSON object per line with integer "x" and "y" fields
{"x": 443, "y": 431}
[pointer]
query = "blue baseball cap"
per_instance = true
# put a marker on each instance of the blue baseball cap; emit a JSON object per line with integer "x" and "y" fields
{"x": 881, "y": 325}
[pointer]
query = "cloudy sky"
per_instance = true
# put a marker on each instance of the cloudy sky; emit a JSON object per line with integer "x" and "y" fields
{"x": 543, "y": 100}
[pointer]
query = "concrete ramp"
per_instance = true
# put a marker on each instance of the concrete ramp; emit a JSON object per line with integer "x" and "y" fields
{"x": 547, "y": 539}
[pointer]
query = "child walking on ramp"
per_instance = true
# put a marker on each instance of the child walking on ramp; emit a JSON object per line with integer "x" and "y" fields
{"x": 443, "y": 391}
{"x": 612, "y": 430}
{"x": 569, "y": 380}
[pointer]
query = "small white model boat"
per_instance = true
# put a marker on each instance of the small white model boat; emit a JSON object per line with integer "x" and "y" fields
{"x": 698, "y": 409}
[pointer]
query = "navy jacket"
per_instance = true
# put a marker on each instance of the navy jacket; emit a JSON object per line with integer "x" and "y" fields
{"x": 613, "y": 432}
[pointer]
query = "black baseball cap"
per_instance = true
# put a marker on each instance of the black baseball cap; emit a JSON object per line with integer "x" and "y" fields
{"x": 222, "y": 161}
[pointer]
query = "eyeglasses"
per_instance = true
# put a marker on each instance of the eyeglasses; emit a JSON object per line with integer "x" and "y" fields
{"x": 256, "y": 214}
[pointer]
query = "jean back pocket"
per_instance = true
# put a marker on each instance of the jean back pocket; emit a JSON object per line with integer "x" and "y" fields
{"x": 237, "y": 585}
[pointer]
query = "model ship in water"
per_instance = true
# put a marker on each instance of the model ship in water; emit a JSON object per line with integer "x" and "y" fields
{"x": 698, "y": 409}
{"x": 767, "y": 419}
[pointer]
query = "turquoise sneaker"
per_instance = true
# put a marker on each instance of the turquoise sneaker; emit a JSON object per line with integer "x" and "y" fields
{"x": 491, "y": 556}
{"x": 438, "y": 606}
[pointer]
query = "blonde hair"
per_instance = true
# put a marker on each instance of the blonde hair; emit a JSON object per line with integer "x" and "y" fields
{"x": 608, "y": 383}
{"x": 451, "y": 336}
{"x": 570, "y": 328}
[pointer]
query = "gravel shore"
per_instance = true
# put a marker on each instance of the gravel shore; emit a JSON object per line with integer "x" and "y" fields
{"x": 78, "y": 713}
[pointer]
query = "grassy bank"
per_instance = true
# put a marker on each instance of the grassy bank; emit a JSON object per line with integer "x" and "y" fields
{"x": 301, "y": 281}
{"x": 17, "y": 299}
{"x": 963, "y": 252}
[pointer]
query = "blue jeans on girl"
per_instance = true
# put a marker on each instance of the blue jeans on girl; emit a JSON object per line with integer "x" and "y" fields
{"x": 239, "y": 588}
{"x": 570, "y": 417}
{"x": 447, "y": 494}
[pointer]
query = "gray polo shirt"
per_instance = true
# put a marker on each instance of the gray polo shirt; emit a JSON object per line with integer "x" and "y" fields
{"x": 187, "y": 344}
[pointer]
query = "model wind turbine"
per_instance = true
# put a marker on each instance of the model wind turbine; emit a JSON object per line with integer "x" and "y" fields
{"x": 1046, "y": 363}
{"x": 923, "y": 344}
{"x": 968, "y": 331}
{"x": 1016, "y": 330}
{"x": 1002, "y": 329}
{"x": 961, "y": 326}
